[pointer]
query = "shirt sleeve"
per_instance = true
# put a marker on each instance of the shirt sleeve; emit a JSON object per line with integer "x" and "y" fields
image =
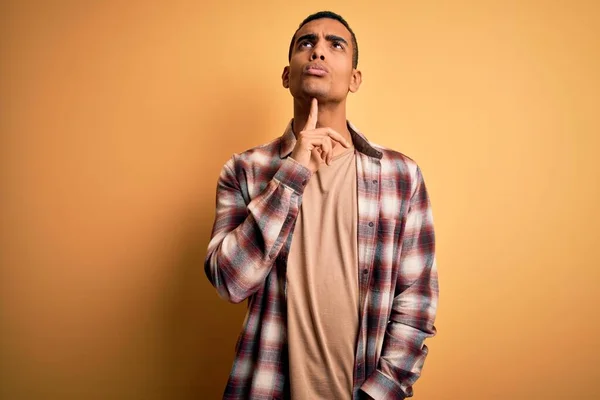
{"x": 414, "y": 309}
{"x": 246, "y": 238}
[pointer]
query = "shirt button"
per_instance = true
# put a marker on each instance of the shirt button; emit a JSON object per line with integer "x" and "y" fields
{"x": 375, "y": 181}
{"x": 304, "y": 182}
{"x": 371, "y": 224}
{"x": 365, "y": 271}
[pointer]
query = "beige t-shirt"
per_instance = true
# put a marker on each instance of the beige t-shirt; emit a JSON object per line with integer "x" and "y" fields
{"x": 322, "y": 285}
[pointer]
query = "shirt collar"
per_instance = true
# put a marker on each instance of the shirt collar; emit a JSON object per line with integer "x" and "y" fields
{"x": 288, "y": 141}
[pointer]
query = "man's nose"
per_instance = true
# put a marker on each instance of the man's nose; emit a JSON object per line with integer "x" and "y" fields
{"x": 317, "y": 52}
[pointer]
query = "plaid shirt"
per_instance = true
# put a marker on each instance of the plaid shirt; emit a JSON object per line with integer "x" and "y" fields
{"x": 259, "y": 193}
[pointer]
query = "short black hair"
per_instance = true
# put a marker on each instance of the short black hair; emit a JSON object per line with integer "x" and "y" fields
{"x": 330, "y": 15}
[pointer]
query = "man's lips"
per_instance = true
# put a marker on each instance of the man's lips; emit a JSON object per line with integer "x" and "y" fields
{"x": 316, "y": 70}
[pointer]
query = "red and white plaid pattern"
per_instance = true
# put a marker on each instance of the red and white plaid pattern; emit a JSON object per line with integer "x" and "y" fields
{"x": 259, "y": 193}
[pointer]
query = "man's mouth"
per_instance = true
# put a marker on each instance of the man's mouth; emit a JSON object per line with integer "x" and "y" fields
{"x": 316, "y": 70}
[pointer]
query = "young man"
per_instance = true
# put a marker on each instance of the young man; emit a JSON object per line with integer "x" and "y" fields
{"x": 330, "y": 238}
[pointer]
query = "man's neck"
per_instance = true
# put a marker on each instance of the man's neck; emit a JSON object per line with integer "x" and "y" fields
{"x": 331, "y": 115}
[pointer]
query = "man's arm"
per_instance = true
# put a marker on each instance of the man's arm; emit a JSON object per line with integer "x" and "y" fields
{"x": 414, "y": 308}
{"x": 246, "y": 239}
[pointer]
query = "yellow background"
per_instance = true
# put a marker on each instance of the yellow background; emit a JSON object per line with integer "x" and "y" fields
{"x": 116, "y": 118}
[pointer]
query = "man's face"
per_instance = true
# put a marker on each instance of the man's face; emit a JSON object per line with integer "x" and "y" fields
{"x": 321, "y": 62}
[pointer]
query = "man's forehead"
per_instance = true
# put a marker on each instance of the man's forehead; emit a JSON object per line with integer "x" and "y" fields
{"x": 324, "y": 26}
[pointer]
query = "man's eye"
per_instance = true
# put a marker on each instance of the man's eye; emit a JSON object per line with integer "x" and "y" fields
{"x": 305, "y": 44}
{"x": 338, "y": 45}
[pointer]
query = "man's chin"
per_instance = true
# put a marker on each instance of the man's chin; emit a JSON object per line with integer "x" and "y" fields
{"x": 314, "y": 92}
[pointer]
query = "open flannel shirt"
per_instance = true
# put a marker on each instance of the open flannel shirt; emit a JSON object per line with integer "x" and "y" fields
{"x": 259, "y": 194}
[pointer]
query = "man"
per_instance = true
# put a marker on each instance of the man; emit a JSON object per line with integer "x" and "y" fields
{"x": 330, "y": 238}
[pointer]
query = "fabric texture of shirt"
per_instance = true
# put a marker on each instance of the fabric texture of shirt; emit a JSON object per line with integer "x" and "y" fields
{"x": 259, "y": 194}
{"x": 322, "y": 284}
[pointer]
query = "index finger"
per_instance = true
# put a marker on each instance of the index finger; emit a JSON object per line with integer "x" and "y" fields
{"x": 311, "y": 122}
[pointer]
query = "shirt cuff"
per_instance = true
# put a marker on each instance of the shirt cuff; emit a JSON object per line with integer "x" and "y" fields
{"x": 380, "y": 387}
{"x": 293, "y": 174}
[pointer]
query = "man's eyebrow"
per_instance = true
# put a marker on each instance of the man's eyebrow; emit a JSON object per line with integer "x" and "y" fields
{"x": 335, "y": 38}
{"x": 308, "y": 36}
{"x": 329, "y": 38}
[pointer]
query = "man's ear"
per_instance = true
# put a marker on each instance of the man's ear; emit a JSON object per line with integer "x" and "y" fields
{"x": 355, "y": 80}
{"x": 285, "y": 77}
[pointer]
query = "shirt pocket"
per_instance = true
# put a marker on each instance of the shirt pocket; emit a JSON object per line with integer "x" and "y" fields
{"x": 385, "y": 259}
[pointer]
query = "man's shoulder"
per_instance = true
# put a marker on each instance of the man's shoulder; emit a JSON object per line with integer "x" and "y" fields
{"x": 390, "y": 158}
{"x": 394, "y": 158}
{"x": 260, "y": 153}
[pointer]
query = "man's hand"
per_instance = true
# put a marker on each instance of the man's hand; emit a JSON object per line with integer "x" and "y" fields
{"x": 314, "y": 145}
